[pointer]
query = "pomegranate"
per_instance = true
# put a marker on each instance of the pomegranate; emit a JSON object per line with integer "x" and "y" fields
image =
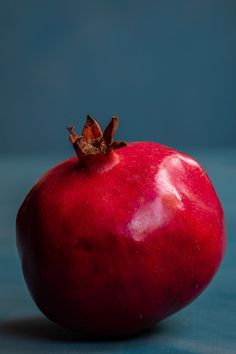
{"x": 119, "y": 237}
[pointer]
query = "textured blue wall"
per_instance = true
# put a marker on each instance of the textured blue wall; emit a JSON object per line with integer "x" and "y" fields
{"x": 166, "y": 68}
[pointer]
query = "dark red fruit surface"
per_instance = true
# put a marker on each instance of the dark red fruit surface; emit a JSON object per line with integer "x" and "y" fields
{"x": 120, "y": 239}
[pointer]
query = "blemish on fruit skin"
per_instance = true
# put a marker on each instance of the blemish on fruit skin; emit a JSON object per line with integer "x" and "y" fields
{"x": 84, "y": 244}
{"x": 96, "y": 268}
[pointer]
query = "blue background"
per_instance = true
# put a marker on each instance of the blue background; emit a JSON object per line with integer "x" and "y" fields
{"x": 165, "y": 67}
{"x": 168, "y": 70}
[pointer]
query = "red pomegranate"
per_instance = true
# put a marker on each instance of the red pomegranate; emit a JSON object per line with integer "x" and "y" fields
{"x": 119, "y": 237}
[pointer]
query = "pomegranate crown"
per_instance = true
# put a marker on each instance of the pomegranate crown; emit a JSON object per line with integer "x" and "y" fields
{"x": 93, "y": 141}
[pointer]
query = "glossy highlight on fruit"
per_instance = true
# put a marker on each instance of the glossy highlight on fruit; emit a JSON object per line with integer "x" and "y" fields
{"x": 119, "y": 237}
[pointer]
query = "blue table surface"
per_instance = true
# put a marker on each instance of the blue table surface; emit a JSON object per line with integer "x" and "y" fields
{"x": 206, "y": 326}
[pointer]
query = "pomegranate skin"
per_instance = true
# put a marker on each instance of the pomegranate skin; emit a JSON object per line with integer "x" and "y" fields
{"x": 111, "y": 247}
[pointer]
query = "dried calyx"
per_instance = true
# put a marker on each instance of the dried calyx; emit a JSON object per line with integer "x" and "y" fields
{"x": 93, "y": 141}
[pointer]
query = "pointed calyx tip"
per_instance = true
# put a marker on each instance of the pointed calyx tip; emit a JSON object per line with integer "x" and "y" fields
{"x": 93, "y": 141}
